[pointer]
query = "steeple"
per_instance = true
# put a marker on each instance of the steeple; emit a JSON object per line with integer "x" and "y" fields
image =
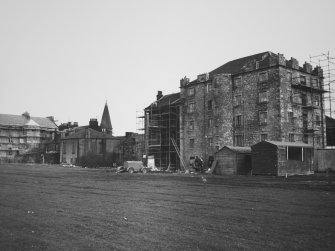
{"x": 106, "y": 124}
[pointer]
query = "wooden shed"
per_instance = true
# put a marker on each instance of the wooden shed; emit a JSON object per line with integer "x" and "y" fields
{"x": 282, "y": 158}
{"x": 233, "y": 160}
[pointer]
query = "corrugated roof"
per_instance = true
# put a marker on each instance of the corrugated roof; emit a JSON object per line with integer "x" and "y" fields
{"x": 284, "y": 143}
{"x": 239, "y": 149}
{"x": 19, "y": 120}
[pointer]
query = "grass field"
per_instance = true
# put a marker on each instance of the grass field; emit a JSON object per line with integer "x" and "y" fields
{"x": 60, "y": 208}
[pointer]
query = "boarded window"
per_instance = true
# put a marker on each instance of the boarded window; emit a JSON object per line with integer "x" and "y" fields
{"x": 289, "y": 76}
{"x": 294, "y": 153}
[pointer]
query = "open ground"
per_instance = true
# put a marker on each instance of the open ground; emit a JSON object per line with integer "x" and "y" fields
{"x": 60, "y": 208}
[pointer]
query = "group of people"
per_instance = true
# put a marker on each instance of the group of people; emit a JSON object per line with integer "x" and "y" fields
{"x": 197, "y": 164}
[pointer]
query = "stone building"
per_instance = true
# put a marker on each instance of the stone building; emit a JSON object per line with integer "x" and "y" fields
{"x": 162, "y": 130}
{"x": 26, "y": 139}
{"x": 247, "y": 100}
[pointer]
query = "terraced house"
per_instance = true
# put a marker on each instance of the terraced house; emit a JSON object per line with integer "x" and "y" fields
{"x": 247, "y": 100}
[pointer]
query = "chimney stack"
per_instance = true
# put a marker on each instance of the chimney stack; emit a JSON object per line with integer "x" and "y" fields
{"x": 159, "y": 95}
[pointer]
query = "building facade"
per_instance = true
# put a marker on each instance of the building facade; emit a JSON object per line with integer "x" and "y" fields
{"x": 26, "y": 139}
{"x": 251, "y": 99}
{"x": 162, "y": 130}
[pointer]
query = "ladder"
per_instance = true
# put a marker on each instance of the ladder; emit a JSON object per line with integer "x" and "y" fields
{"x": 178, "y": 152}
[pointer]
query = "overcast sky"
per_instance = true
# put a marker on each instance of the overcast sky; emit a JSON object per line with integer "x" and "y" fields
{"x": 66, "y": 58}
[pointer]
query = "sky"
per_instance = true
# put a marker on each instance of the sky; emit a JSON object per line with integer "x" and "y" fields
{"x": 67, "y": 58}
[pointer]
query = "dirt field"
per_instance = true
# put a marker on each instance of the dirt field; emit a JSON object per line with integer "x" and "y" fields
{"x": 59, "y": 208}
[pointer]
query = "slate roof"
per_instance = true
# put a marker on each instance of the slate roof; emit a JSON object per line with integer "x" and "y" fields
{"x": 82, "y": 133}
{"x": 171, "y": 99}
{"x": 19, "y": 120}
{"x": 243, "y": 64}
{"x": 106, "y": 120}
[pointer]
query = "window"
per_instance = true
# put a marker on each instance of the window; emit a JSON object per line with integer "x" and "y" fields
{"x": 263, "y": 118}
{"x": 302, "y": 80}
{"x": 238, "y": 120}
{"x": 291, "y": 137}
{"x": 294, "y": 153}
{"x": 100, "y": 150}
{"x": 263, "y": 97}
{"x": 190, "y": 108}
{"x": 318, "y": 140}
{"x": 237, "y": 82}
{"x": 21, "y": 140}
{"x": 297, "y": 98}
{"x": 237, "y": 100}
{"x": 264, "y": 137}
{"x": 305, "y": 139}
{"x": 73, "y": 147}
{"x": 210, "y": 141}
{"x": 191, "y": 125}
{"x": 10, "y": 152}
{"x": 239, "y": 140}
{"x": 289, "y": 76}
{"x": 190, "y": 91}
{"x": 257, "y": 65}
{"x": 210, "y": 123}
{"x": 317, "y": 120}
{"x": 209, "y": 105}
{"x": 291, "y": 118}
{"x": 263, "y": 76}
{"x": 64, "y": 147}
{"x": 10, "y": 140}
{"x": 315, "y": 83}
{"x": 316, "y": 101}
{"x": 209, "y": 87}
{"x": 191, "y": 143}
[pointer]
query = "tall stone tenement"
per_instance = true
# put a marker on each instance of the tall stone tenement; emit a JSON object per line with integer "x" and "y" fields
{"x": 247, "y": 100}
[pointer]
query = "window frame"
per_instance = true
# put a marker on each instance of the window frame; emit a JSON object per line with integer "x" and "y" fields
{"x": 261, "y": 99}
{"x": 191, "y": 92}
{"x": 265, "y": 122}
{"x": 262, "y": 79}
{"x": 189, "y": 106}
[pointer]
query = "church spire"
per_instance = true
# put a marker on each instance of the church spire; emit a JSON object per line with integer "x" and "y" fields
{"x": 106, "y": 124}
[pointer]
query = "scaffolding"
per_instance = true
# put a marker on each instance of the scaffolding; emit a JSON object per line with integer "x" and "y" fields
{"x": 327, "y": 62}
{"x": 162, "y": 131}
